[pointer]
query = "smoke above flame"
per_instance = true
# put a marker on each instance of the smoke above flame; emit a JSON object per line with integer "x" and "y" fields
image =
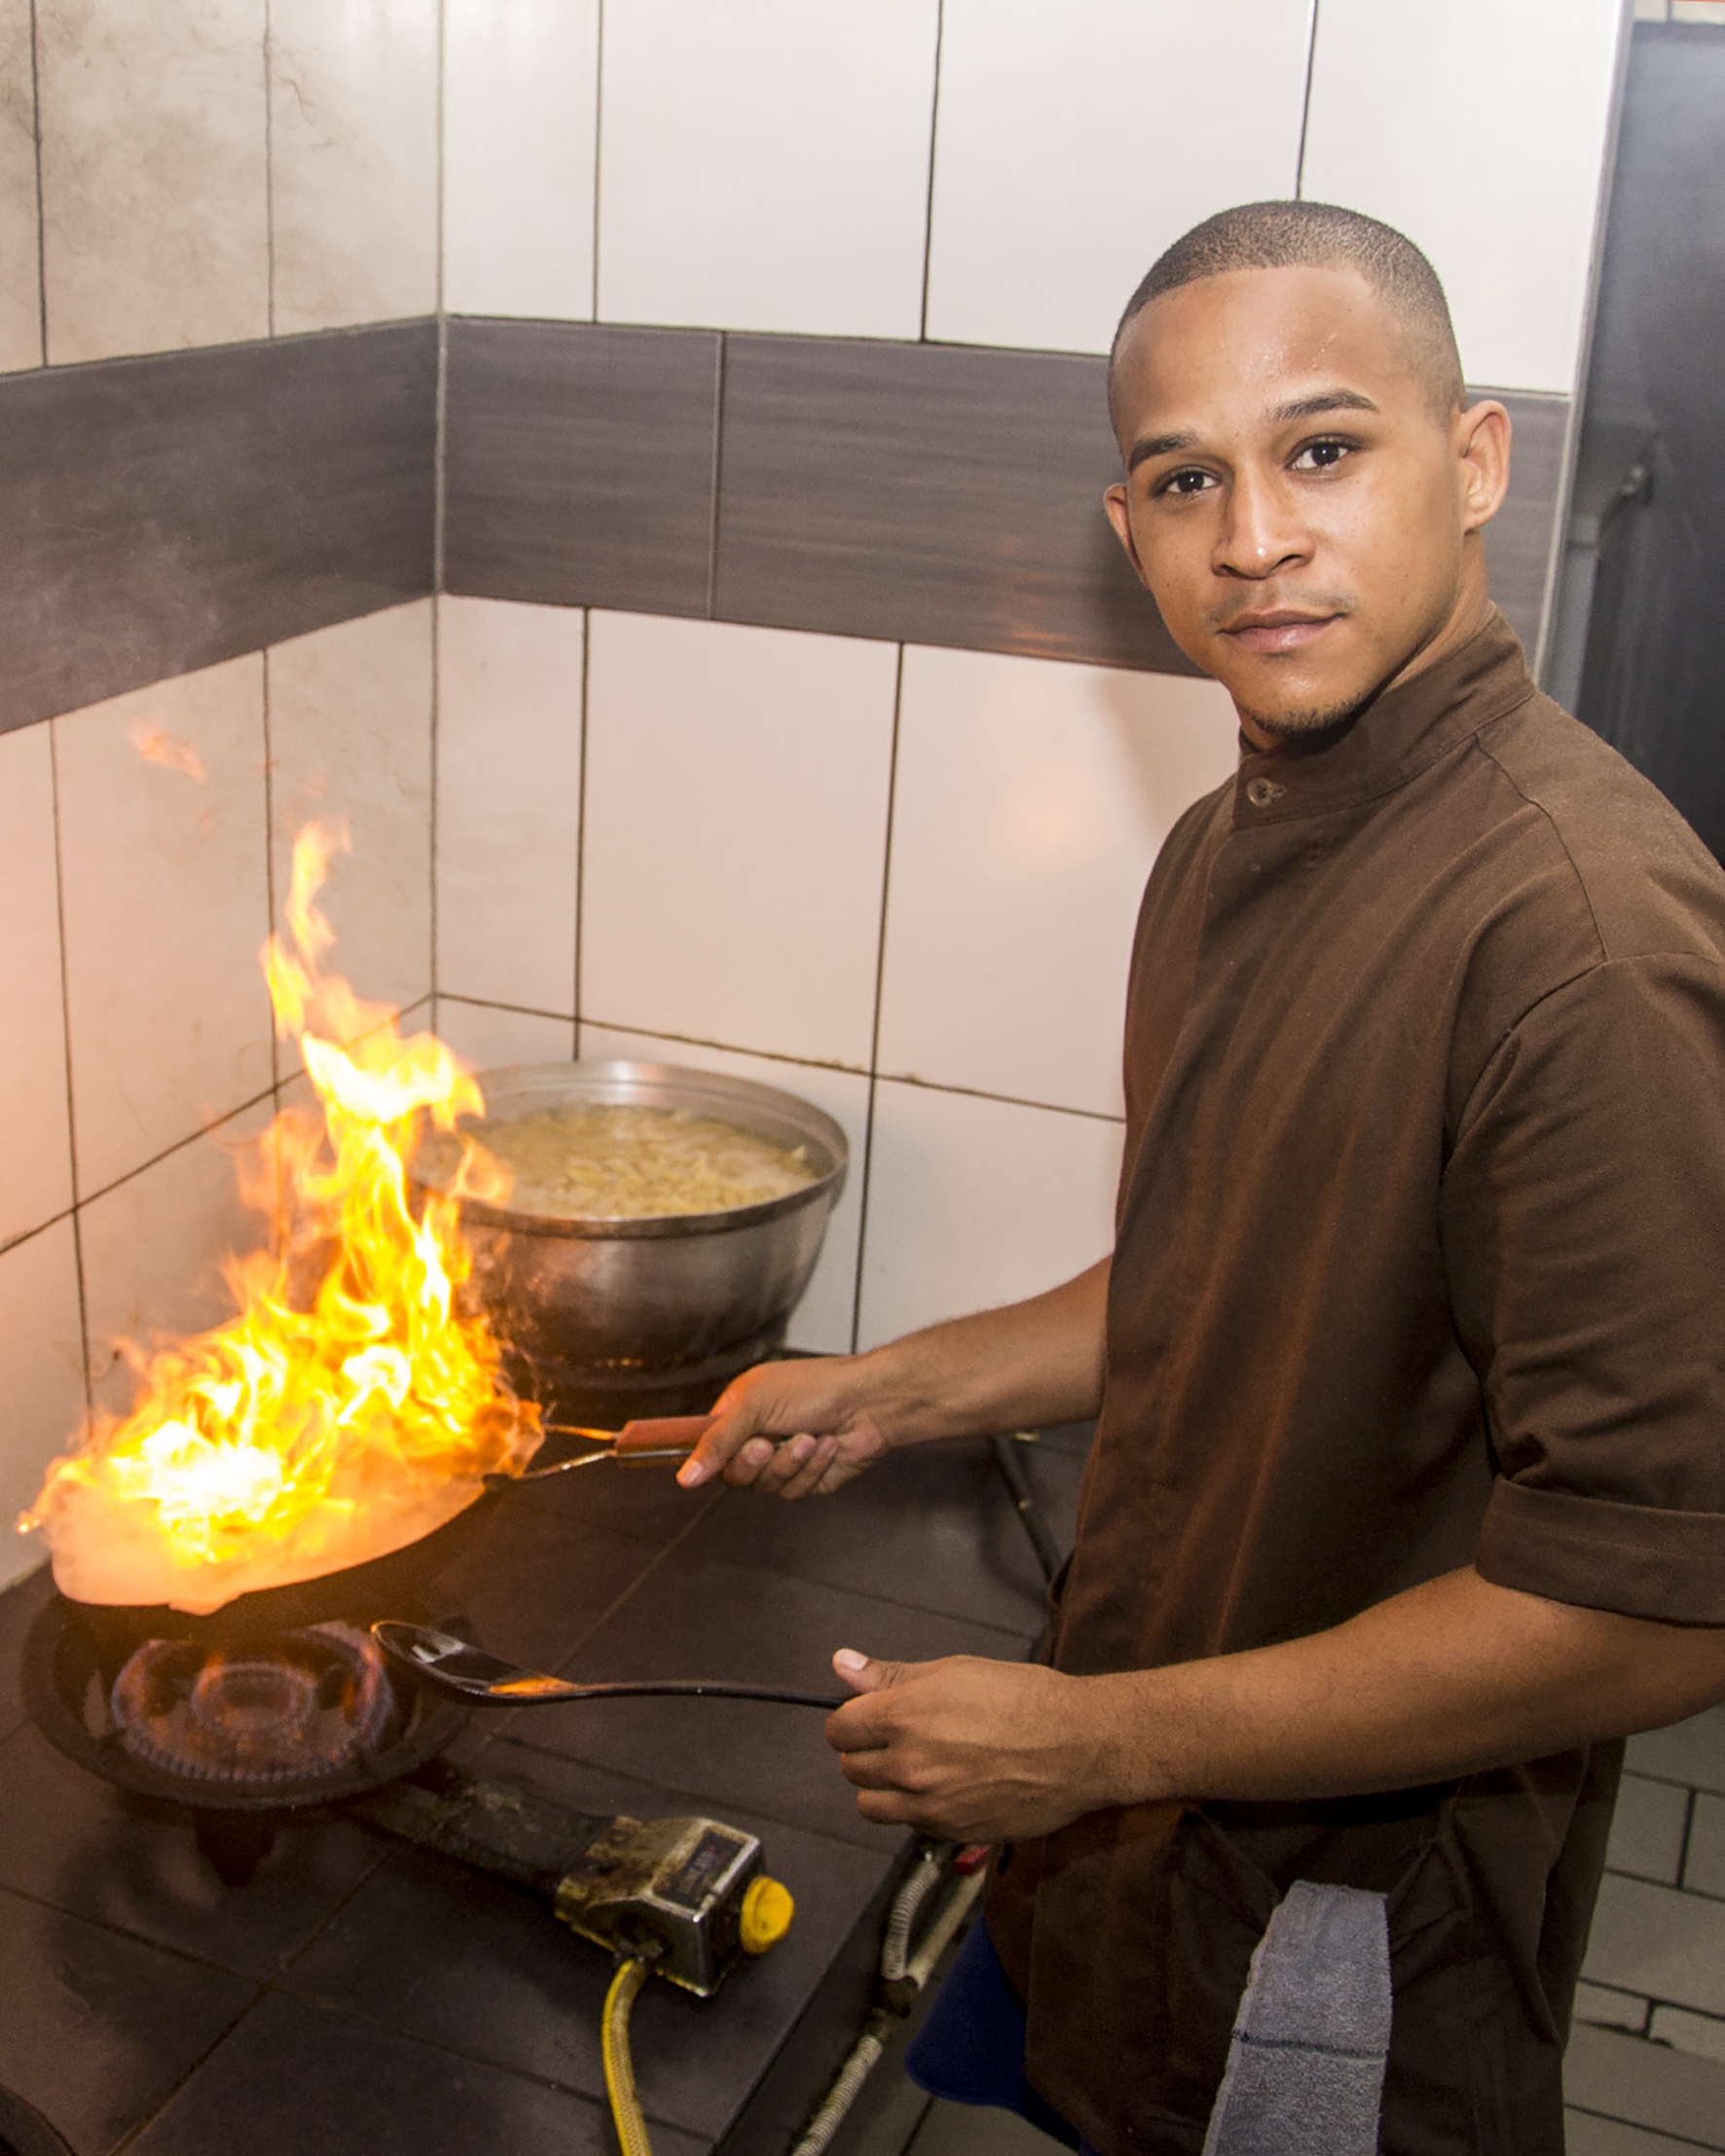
{"x": 353, "y": 1403}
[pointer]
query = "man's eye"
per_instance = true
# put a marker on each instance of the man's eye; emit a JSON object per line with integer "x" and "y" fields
{"x": 1320, "y": 456}
{"x": 1186, "y": 482}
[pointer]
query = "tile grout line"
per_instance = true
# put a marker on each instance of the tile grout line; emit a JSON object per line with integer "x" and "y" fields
{"x": 60, "y": 899}
{"x": 439, "y": 433}
{"x": 934, "y": 138}
{"x": 880, "y": 970}
{"x": 41, "y": 207}
{"x": 581, "y": 828}
{"x": 1311, "y": 56}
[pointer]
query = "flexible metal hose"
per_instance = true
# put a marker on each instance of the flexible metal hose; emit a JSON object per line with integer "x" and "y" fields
{"x": 619, "y": 2066}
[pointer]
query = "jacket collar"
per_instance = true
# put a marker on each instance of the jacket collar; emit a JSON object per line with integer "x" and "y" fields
{"x": 1390, "y": 740}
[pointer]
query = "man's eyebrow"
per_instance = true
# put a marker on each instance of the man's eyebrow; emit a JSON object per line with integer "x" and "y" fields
{"x": 1157, "y": 445}
{"x": 1324, "y": 400}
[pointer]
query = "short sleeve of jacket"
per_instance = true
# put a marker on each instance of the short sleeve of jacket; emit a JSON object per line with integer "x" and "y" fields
{"x": 1583, "y": 1219}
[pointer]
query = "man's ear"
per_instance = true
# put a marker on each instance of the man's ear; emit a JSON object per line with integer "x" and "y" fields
{"x": 1120, "y": 515}
{"x": 1483, "y": 434}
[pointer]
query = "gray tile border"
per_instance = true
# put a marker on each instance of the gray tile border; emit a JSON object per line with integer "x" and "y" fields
{"x": 158, "y": 515}
{"x": 927, "y": 494}
{"x": 578, "y": 464}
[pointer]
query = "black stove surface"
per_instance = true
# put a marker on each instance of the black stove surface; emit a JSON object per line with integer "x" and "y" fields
{"x": 359, "y": 1997}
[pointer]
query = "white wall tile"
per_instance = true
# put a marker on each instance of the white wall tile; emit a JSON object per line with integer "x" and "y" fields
{"x": 973, "y": 1203}
{"x": 153, "y": 1249}
{"x": 764, "y": 165}
{"x": 1478, "y": 128}
{"x": 1692, "y": 1752}
{"x": 508, "y": 800}
{"x": 1704, "y": 1866}
{"x": 21, "y": 283}
{"x": 353, "y": 161}
{"x": 520, "y": 111}
{"x": 1648, "y": 1828}
{"x": 1648, "y": 2085}
{"x": 823, "y": 1320}
{"x": 485, "y": 1037}
{"x": 165, "y": 907}
{"x": 735, "y": 835}
{"x": 350, "y": 742}
{"x": 36, "y": 1155}
{"x": 154, "y": 218}
{"x": 1075, "y": 142}
{"x": 41, "y": 1377}
{"x": 1030, "y": 801}
{"x": 1655, "y": 1940}
{"x": 1702, "y": 2036}
{"x": 1610, "y": 2009}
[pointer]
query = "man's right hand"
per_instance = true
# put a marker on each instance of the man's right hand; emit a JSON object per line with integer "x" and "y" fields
{"x": 795, "y": 1429}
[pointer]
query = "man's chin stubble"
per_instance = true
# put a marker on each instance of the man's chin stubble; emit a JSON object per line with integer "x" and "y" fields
{"x": 1296, "y": 725}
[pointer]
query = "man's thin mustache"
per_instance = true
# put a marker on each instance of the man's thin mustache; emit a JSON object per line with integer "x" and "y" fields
{"x": 1262, "y": 603}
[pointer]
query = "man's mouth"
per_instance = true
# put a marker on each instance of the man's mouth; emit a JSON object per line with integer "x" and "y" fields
{"x": 1277, "y": 629}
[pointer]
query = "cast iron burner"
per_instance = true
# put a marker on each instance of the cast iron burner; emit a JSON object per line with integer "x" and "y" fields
{"x": 311, "y": 1703}
{"x": 239, "y": 1731}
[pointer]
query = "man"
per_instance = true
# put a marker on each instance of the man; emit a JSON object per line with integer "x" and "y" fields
{"x": 1408, "y": 1496}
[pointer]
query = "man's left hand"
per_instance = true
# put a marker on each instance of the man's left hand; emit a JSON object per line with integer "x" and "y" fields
{"x": 969, "y": 1750}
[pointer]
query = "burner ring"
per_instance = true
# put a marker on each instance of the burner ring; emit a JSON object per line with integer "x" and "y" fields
{"x": 311, "y": 1703}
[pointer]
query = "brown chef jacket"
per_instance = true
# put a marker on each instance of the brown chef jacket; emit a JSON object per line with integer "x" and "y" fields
{"x": 1420, "y": 1263}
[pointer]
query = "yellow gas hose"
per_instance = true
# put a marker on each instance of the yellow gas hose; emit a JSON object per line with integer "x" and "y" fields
{"x": 619, "y": 2068}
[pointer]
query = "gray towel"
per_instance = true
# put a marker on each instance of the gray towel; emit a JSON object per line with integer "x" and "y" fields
{"x": 1306, "y": 2064}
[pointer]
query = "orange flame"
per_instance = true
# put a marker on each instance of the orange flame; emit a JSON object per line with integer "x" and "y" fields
{"x": 352, "y": 1405}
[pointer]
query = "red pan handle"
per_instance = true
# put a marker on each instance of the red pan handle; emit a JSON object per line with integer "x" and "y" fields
{"x": 660, "y": 1435}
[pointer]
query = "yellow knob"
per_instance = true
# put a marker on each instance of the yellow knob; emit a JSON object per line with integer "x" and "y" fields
{"x": 767, "y": 1911}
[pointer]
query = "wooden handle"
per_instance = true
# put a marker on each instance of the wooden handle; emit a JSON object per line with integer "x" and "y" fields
{"x": 660, "y": 1435}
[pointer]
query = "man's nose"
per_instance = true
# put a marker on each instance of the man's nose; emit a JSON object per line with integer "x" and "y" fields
{"x": 1261, "y": 530}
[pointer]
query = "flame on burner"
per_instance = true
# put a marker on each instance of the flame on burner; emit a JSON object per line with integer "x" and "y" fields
{"x": 352, "y": 1405}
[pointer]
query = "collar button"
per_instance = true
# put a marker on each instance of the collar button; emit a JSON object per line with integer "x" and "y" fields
{"x": 1261, "y": 793}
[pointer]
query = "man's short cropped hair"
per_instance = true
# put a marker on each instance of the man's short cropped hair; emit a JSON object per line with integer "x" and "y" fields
{"x": 1319, "y": 235}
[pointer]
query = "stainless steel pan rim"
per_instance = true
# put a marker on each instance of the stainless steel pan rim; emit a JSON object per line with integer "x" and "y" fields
{"x": 521, "y": 1089}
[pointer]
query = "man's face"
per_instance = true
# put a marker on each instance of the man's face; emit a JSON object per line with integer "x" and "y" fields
{"x": 1306, "y": 518}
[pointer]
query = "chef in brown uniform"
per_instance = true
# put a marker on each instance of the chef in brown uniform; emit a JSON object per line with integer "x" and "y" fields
{"x": 1406, "y": 1501}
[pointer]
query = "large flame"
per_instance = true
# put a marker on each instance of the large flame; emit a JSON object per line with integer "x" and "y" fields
{"x": 352, "y": 1405}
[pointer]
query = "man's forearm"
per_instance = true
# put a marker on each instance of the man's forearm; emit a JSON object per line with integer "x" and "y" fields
{"x": 1449, "y": 1678}
{"x": 1032, "y": 1363}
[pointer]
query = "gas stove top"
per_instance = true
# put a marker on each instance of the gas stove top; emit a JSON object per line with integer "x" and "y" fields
{"x": 361, "y": 1994}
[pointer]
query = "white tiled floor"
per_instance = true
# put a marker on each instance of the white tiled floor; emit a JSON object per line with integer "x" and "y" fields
{"x": 508, "y": 800}
{"x": 824, "y": 1317}
{"x": 351, "y": 744}
{"x": 764, "y": 165}
{"x": 1692, "y": 1752}
{"x": 35, "y": 1179}
{"x": 166, "y": 909}
{"x": 1031, "y": 799}
{"x": 1704, "y": 1866}
{"x": 735, "y": 835}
